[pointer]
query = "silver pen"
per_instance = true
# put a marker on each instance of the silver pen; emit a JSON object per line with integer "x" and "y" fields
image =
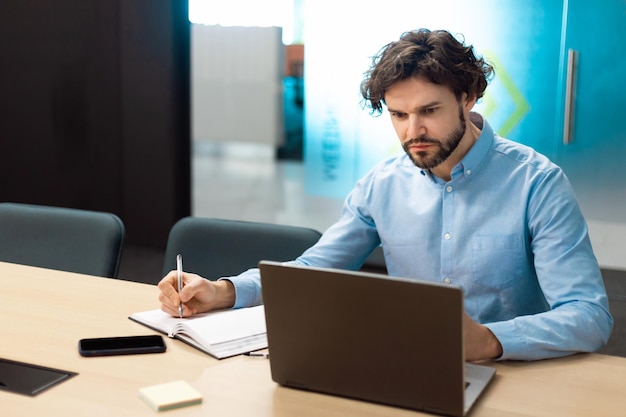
{"x": 179, "y": 269}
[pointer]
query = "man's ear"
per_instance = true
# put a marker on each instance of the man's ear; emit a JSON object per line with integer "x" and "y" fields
{"x": 468, "y": 102}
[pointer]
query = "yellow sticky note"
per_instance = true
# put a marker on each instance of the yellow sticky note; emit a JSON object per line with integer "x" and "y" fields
{"x": 170, "y": 395}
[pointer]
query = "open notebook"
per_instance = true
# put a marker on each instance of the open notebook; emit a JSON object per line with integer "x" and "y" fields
{"x": 369, "y": 337}
{"x": 221, "y": 333}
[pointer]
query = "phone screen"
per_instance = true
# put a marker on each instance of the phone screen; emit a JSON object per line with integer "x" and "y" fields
{"x": 124, "y": 345}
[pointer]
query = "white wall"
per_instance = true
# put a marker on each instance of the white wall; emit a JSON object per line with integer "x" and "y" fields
{"x": 236, "y": 76}
{"x": 607, "y": 239}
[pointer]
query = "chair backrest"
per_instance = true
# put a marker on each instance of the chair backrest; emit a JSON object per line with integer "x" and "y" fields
{"x": 74, "y": 240}
{"x": 215, "y": 248}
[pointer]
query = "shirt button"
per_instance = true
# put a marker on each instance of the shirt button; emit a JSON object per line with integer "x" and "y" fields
{"x": 447, "y": 280}
{"x": 468, "y": 172}
{"x": 447, "y": 236}
{"x": 449, "y": 188}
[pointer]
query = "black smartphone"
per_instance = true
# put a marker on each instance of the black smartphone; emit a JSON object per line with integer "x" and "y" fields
{"x": 124, "y": 345}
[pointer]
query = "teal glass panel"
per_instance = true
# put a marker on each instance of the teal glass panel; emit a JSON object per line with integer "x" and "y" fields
{"x": 594, "y": 158}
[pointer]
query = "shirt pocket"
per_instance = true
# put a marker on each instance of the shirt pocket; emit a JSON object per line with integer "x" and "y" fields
{"x": 498, "y": 260}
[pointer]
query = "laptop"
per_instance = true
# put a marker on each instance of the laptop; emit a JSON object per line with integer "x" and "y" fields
{"x": 370, "y": 337}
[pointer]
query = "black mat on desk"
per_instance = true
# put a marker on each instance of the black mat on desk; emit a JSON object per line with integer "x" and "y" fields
{"x": 28, "y": 379}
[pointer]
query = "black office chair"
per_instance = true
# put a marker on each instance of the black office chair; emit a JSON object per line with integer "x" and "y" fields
{"x": 215, "y": 248}
{"x": 74, "y": 240}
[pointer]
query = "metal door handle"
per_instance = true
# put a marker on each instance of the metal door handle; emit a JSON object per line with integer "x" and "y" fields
{"x": 570, "y": 95}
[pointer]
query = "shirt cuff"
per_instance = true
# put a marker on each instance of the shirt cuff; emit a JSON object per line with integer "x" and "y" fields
{"x": 247, "y": 288}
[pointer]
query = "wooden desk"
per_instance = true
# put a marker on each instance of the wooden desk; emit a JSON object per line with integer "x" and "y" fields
{"x": 44, "y": 313}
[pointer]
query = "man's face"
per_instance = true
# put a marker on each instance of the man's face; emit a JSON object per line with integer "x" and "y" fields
{"x": 429, "y": 121}
{"x": 440, "y": 149}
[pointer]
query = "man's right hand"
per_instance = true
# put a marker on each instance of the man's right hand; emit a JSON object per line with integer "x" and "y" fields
{"x": 198, "y": 295}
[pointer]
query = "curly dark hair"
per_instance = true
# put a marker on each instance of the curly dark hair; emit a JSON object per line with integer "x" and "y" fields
{"x": 436, "y": 55}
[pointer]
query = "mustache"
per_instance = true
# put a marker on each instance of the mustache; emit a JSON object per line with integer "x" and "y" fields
{"x": 421, "y": 140}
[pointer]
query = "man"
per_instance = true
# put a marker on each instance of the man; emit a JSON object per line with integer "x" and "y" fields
{"x": 462, "y": 206}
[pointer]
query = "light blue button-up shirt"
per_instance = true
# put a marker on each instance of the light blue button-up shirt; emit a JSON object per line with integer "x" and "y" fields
{"x": 506, "y": 229}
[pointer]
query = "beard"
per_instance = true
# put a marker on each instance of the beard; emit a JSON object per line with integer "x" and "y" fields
{"x": 425, "y": 160}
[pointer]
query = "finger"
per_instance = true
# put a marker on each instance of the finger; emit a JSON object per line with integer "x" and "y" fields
{"x": 165, "y": 300}
{"x": 193, "y": 284}
{"x": 168, "y": 292}
{"x": 168, "y": 281}
{"x": 172, "y": 312}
